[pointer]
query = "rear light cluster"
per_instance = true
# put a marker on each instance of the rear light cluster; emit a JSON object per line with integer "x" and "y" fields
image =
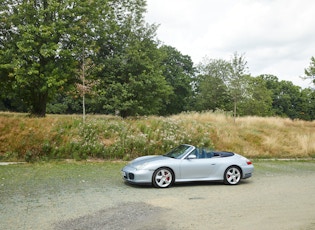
{"x": 248, "y": 162}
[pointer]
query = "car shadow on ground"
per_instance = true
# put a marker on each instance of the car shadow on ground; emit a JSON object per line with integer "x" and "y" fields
{"x": 186, "y": 184}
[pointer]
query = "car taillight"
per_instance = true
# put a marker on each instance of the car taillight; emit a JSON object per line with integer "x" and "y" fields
{"x": 249, "y": 162}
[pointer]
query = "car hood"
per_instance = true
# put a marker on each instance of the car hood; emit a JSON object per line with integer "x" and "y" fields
{"x": 147, "y": 159}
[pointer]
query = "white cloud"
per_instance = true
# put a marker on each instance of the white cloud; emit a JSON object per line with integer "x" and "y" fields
{"x": 276, "y": 36}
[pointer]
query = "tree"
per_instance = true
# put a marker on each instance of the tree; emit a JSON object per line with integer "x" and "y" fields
{"x": 237, "y": 81}
{"x": 257, "y": 101}
{"x": 32, "y": 45}
{"x": 85, "y": 86}
{"x": 305, "y": 105}
{"x": 211, "y": 90}
{"x": 178, "y": 71}
{"x": 131, "y": 78}
{"x": 285, "y": 96}
{"x": 288, "y": 97}
{"x": 43, "y": 41}
{"x": 53, "y": 36}
{"x": 310, "y": 71}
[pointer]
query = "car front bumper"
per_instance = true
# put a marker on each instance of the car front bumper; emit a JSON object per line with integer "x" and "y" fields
{"x": 135, "y": 176}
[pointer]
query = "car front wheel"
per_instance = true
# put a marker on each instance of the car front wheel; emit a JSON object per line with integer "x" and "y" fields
{"x": 232, "y": 175}
{"x": 163, "y": 178}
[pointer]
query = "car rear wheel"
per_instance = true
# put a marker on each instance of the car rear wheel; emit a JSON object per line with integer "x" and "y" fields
{"x": 232, "y": 175}
{"x": 163, "y": 178}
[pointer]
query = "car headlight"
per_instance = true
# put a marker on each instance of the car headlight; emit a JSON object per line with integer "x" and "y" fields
{"x": 142, "y": 166}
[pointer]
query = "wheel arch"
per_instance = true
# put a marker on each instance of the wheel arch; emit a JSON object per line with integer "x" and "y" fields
{"x": 164, "y": 167}
{"x": 237, "y": 166}
{"x": 226, "y": 179}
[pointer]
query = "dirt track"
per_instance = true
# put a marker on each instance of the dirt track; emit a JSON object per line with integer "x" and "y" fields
{"x": 272, "y": 199}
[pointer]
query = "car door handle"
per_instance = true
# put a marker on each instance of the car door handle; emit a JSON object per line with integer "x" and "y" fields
{"x": 213, "y": 164}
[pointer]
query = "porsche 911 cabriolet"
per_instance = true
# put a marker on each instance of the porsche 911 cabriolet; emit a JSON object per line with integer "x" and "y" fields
{"x": 187, "y": 163}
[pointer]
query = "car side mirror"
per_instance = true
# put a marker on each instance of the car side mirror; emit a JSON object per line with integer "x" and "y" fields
{"x": 191, "y": 156}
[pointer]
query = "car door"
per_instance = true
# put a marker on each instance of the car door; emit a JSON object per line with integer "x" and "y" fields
{"x": 198, "y": 169}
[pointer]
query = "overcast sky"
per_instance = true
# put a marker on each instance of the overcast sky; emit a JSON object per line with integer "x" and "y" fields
{"x": 276, "y": 36}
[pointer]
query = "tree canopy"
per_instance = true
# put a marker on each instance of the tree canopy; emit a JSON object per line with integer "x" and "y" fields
{"x": 46, "y": 42}
{"x": 101, "y": 56}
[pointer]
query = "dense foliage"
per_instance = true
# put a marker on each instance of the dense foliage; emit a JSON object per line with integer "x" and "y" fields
{"x": 62, "y": 57}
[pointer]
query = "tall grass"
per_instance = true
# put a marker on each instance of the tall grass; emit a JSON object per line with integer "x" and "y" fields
{"x": 110, "y": 137}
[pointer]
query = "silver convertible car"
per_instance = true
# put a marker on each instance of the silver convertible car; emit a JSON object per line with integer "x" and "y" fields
{"x": 187, "y": 163}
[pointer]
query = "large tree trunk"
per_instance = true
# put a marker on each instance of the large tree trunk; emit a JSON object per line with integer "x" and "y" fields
{"x": 39, "y": 103}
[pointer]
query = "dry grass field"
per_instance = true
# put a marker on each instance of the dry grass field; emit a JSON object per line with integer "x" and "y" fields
{"x": 110, "y": 137}
{"x": 256, "y": 137}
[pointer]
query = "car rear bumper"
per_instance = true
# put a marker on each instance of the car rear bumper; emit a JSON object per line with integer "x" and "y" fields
{"x": 247, "y": 171}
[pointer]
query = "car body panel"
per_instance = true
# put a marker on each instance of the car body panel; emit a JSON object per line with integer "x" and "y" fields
{"x": 187, "y": 167}
{"x": 194, "y": 169}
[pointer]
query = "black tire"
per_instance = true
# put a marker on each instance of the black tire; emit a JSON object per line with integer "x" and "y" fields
{"x": 232, "y": 175}
{"x": 163, "y": 178}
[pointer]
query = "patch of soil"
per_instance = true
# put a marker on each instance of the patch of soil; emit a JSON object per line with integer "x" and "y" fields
{"x": 129, "y": 215}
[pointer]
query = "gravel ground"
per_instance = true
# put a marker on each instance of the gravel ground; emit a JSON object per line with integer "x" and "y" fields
{"x": 278, "y": 196}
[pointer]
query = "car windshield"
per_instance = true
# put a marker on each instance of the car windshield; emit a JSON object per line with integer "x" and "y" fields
{"x": 179, "y": 151}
